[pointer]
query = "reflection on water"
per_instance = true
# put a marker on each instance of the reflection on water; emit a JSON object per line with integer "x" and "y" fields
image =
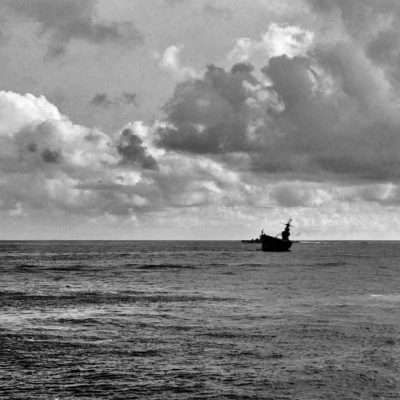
{"x": 199, "y": 320}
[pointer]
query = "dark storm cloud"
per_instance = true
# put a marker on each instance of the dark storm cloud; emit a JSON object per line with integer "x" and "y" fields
{"x": 103, "y": 100}
{"x": 133, "y": 152}
{"x": 65, "y": 20}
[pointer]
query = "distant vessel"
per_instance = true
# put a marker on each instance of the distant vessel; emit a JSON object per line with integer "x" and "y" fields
{"x": 274, "y": 243}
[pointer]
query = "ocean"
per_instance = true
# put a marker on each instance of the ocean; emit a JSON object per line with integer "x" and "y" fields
{"x": 199, "y": 320}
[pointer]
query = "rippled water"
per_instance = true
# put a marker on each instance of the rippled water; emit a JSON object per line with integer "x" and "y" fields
{"x": 199, "y": 320}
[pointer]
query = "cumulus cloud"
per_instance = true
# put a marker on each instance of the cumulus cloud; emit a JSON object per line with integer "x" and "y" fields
{"x": 44, "y": 156}
{"x": 49, "y": 163}
{"x": 328, "y": 112}
{"x": 34, "y": 132}
{"x": 170, "y": 62}
{"x": 278, "y": 40}
{"x": 132, "y": 150}
{"x": 214, "y": 114}
{"x": 66, "y": 20}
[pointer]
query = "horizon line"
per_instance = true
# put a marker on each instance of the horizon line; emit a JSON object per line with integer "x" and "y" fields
{"x": 297, "y": 241}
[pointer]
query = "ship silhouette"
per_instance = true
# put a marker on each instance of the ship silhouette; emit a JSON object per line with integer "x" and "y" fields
{"x": 274, "y": 243}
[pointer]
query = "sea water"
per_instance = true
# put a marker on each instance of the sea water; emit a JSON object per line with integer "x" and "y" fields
{"x": 199, "y": 320}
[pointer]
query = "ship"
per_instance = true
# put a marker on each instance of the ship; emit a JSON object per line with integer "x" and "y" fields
{"x": 274, "y": 243}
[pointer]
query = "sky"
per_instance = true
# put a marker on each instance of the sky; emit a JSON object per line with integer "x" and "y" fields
{"x": 199, "y": 119}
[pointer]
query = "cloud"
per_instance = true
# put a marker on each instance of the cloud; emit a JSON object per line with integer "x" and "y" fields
{"x": 66, "y": 20}
{"x": 321, "y": 112}
{"x": 44, "y": 156}
{"x": 383, "y": 194}
{"x": 299, "y": 194}
{"x": 371, "y": 25}
{"x": 278, "y": 40}
{"x": 103, "y": 100}
{"x": 170, "y": 62}
{"x": 132, "y": 150}
{"x": 51, "y": 156}
{"x": 49, "y": 164}
{"x": 34, "y": 134}
{"x": 356, "y": 13}
{"x": 211, "y": 115}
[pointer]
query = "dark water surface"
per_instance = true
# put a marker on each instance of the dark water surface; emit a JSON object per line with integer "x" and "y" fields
{"x": 199, "y": 320}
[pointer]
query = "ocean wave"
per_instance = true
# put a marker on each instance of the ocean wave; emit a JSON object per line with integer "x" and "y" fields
{"x": 218, "y": 265}
{"x": 78, "y": 321}
{"x": 27, "y": 267}
{"x": 69, "y": 268}
{"x": 259, "y": 265}
{"x": 164, "y": 266}
{"x": 237, "y": 335}
{"x": 329, "y": 264}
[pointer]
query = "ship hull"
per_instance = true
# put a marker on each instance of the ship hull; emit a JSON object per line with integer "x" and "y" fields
{"x": 270, "y": 243}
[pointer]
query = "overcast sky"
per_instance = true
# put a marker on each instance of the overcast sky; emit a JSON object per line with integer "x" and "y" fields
{"x": 199, "y": 119}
